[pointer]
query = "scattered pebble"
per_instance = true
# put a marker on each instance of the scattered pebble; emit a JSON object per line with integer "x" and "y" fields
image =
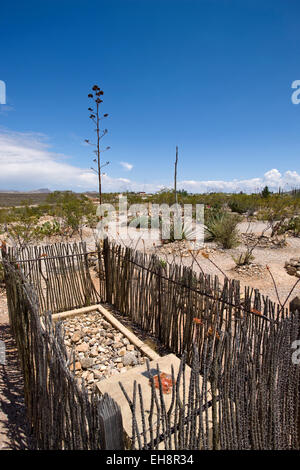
{"x": 251, "y": 270}
{"x": 100, "y": 350}
{"x": 293, "y": 267}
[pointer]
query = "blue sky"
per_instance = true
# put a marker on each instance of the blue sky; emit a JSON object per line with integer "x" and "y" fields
{"x": 211, "y": 76}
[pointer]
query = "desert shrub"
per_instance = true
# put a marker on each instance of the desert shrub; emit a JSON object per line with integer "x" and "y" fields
{"x": 3, "y": 220}
{"x": 143, "y": 221}
{"x": 265, "y": 192}
{"x": 73, "y": 210}
{"x": 223, "y": 229}
{"x": 167, "y": 196}
{"x": 212, "y": 215}
{"x": 292, "y": 225}
{"x": 277, "y": 210}
{"x": 243, "y": 258}
{"x": 242, "y": 203}
{"x": 169, "y": 231}
{"x": 163, "y": 263}
{"x": 92, "y": 219}
{"x": 48, "y": 229}
{"x": 25, "y": 230}
{"x": 174, "y": 230}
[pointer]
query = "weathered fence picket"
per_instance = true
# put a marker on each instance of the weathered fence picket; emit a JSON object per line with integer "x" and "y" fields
{"x": 177, "y": 305}
{"x": 60, "y": 411}
{"x": 60, "y": 274}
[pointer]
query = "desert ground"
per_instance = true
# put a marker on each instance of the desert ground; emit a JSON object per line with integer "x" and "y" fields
{"x": 221, "y": 261}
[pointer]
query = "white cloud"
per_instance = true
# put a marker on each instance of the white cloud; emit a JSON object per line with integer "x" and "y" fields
{"x": 272, "y": 178}
{"x": 126, "y": 165}
{"x": 26, "y": 162}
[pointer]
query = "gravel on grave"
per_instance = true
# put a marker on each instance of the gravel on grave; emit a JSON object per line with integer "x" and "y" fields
{"x": 100, "y": 350}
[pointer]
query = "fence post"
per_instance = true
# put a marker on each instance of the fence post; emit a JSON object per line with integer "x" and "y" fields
{"x": 111, "y": 424}
{"x": 159, "y": 315}
{"x": 88, "y": 281}
{"x": 106, "y": 249}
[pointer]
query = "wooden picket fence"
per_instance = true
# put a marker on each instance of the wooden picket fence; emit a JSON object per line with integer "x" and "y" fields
{"x": 243, "y": 392}
{"x": 61, "y": 413}
{"x": 245, "y": 396}
{"x": 60, "y": 274}
{"x": 177, "y": 305}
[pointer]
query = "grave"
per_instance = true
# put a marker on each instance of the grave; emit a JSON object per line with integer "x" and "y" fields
{"x": 141, "y": 376}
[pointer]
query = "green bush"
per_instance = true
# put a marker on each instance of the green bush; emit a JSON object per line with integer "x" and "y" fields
{"x": 48, "y": 229}
{"x": 73, "y": 209}
{"x": 222, "y": 228}
{"x": 243, "y": 258}
{"x": 292, "y": 225}
{"x": 242, "y": 203}
{"x": 278, "y": 210}
{"x": 143, "y": 221}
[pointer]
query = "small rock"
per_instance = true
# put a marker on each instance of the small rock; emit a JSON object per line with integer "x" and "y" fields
{"x": 117, "y": 359}
{"x": 82, "y": 347}
{"x": 122, "y": 352}
{"x": 86, "y": 362}
{"x": 129, "y": 359}
{"x": 76, "y": 337}
{"x": 77, "y": 366}
{"x": 97, "y": 374}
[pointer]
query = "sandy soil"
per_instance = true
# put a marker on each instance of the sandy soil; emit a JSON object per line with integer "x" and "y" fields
{"x": 273, "y": 257}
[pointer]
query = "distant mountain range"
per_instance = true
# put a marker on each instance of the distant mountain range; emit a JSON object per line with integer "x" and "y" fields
{"x": 41, "y": 190}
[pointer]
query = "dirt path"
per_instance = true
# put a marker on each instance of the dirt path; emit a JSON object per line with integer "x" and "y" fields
{"x": 14, "y": 432}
